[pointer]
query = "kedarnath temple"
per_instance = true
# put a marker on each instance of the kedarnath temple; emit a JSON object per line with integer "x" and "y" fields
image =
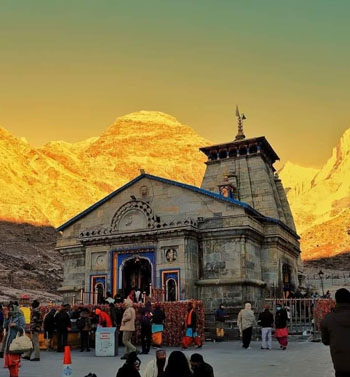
{"x": 231, "y": 240}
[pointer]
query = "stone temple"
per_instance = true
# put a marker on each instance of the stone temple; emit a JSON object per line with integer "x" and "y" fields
{"x": 231, "y": 240}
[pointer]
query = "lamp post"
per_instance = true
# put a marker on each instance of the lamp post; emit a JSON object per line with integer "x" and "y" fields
{"x": 320, "y": 274}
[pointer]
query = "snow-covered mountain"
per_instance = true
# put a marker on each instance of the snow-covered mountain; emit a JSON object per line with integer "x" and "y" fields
{"x": 49, "y": 185}
{"x": 320, "y": 202}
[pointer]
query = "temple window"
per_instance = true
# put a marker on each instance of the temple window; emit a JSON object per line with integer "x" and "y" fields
{"x": 242, "y": 151}
{"x": 223, "y": 154}
{"x": 253, "y": 149}
{"x": 213, "y": 155}
{"x": 232, "y": 153}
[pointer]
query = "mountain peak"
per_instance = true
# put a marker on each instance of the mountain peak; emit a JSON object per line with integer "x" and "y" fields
{"x": 147, "y": 116}
{"x": 344, "y": 143}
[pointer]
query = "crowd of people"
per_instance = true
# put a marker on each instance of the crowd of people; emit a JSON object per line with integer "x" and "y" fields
{"x": 266, "y": 320}
{"x": 335, "y": 332}
{"x": 177, "y": 365}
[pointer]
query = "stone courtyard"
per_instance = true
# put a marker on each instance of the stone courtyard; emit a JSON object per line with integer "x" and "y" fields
{"x": 301, "y": 359}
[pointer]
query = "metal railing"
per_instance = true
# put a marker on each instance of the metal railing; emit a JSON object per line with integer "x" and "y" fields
{"x": 300, "y": 312}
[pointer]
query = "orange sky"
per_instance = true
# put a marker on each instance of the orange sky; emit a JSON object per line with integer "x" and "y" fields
{"x": 67, "y": 70}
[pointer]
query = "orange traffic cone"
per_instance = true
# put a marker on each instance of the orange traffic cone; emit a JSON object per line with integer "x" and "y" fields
{"x": 67, "y": 363}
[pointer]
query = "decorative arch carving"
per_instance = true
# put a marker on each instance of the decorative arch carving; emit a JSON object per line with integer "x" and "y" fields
{"x": 134, "y": 207}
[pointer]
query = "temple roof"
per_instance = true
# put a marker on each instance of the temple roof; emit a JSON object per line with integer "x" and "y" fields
{"x": 261, "y": 141}
{"x": 213, "y": 195}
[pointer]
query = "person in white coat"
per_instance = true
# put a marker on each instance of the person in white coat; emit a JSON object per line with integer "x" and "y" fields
{"x": 156, "y": 367}
{"x": 245, "y": 321}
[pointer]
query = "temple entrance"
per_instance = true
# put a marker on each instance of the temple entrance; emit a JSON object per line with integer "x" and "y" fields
{"x": 171, "y": 290}
{"x": 99, "y": 291}
{"x": 137, "y": 274}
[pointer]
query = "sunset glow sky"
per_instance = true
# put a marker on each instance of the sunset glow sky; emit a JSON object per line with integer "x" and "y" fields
{"x": 69, "y": 68}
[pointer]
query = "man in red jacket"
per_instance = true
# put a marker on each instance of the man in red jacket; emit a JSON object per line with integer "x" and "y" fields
{"x": 104, "y": 320}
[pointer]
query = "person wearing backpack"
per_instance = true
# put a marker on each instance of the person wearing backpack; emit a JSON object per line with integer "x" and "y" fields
{"x": 146, "y": 328}
{"x": 84, "y": 326}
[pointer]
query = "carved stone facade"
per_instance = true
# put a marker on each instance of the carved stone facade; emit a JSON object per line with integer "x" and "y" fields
{"x": 230, "y": 241}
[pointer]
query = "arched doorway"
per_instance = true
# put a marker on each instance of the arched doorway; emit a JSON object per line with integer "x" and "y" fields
{"x": 286, "y": 280}
{"x": 171, "y": 290}
{"x": 99, "y": 291}
{"x": 137, "y": 273}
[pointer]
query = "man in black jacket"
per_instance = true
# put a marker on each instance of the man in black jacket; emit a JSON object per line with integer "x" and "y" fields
{"x": 335, "y": 332}
{"x": 63, "y": 325}
{"x": 265, "y": 320}
{"x": 199, "y": 367}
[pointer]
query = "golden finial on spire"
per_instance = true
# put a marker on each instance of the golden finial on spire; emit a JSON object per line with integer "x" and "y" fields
{"x": 240, "y": 135}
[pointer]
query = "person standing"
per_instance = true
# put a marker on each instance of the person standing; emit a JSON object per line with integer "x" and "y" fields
{"x": 35, "y": 329}
{"x": 335, "y": 332}
{"x": 84, "y": 325}
{"x": 199, "y": 367}
{"x": 156, "y": 367}
{"x": 113, "y": 314}
{"x": 158, "y": 326}
{"x": 220, "y": 316}
{"x": 245, "y": 321}
{"x": 281, "y": 331}
{"x": 14, "y": 323}
{"x": 63, "y": 325}
{"x": 49, "y": 328}
{"x": 131, "y": 367}
{"x": 128, "y": 327}
{"x": 146, "y": 328}
{"x": 265, "y": 320}
{"x": 191, "y": 334}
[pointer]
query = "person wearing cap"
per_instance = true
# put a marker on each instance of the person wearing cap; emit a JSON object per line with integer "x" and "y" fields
{"x": 335, "y": 332}
{"x": 199, "y": 367}
{"x": 131, "y": 367}
{"x": 62, "y": 325}
{"x": 220, "y": 316}
{"x": 265, "y": 320}
{"x": 128, "y": 327}
{"x": 156, "y": 367}
{"x": 36, "y": 321}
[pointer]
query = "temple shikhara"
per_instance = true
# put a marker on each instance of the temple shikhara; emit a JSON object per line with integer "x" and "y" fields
{"x": 231, "y": 240}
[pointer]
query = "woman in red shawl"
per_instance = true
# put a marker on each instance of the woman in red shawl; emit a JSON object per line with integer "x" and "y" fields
{"x": 281, "y": 331}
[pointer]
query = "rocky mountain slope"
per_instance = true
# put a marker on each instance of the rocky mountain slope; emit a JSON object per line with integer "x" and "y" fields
{"x": 29, "y": 262}
{"x": 320, "y": 202}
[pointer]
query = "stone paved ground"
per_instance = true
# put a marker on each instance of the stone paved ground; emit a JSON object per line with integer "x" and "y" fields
{"x": 301, "y": 359}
